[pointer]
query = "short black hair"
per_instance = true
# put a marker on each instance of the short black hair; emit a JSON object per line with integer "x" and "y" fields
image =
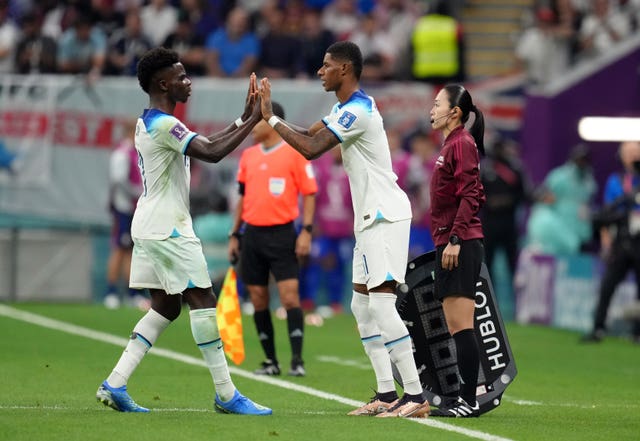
{"x": 348, "y": 51}
{"x": 278, "y": 110}
{"x": 153, "y": 61}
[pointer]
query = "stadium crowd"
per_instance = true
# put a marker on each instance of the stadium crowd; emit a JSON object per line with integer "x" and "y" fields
{"x": 287, "y": 38}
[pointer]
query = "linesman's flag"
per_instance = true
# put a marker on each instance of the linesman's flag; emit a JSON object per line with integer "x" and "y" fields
{"x": 230, "y": 319}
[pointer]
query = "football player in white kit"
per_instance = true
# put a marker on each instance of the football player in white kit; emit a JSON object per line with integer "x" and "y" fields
{"x": 167, "y": 255}
{"x": 382, "y": 219}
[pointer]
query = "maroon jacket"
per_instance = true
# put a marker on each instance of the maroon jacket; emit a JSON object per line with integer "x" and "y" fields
{"x": 456, "y": 191}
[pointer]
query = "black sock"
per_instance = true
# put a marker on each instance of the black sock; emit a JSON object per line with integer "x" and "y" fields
{"x": 295, "y": 324}
{"x": 264, "y": 326}
{"x": 415, "y": 398}
{"x": 388, "y": 397}
{"x": 468, "y": 363}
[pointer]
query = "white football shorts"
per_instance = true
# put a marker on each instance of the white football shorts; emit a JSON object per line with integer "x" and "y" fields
{"x": 173, "y": 264}
{"x": 381, "y": 253}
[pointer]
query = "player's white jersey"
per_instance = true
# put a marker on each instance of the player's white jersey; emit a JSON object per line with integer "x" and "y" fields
{"x": 367, "y": 160}
{"x": 163, "y": 208}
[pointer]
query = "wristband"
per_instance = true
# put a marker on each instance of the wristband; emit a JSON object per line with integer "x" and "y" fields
{"x": 239, "y": 122}
{"x": 308, "y": 228}
{"x": 273, "y": 121}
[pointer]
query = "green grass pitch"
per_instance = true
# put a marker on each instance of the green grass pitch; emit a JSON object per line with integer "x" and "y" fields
{"x": 564, "y": 390}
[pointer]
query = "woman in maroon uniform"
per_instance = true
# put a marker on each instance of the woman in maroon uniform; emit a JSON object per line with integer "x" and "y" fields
{"x": 456, "y": 197}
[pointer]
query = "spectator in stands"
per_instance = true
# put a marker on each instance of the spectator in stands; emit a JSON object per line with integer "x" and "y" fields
{"x": 399, "y": 17}
{"x": 35, "y": 52}
{"x": 126, "y": 5}
{"x": 159, "y": 19}
{"x": 543, "y": 50}
{"x": 204, "y": 16}
{"x": 59, "y": 16}
{"x": 279, "y": 50}
{"x": 437, "y": 49}
{"x": 232, "y": 51}
{"x": 315, "y": 41}
{"x": 507, "y": 189}
{"x": 9, "y": 34}
{"x": 188, "y": 44}
{"x": 293, "y": 13}
{"x": 107, "y": 17}
{"x": 603, "y": 27}
{"x": 82, "y": 49}
{"x": 569, "y": 20}
{"x": 341, "y": 18}
{"x": 560, "y": 221}
{"x": 126, "y": 46}
{"x": 377, "y": 48}
{"x": 619, "y": 236}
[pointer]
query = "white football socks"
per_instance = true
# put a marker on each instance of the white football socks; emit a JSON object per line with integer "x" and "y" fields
{"x": 372, "y": 342}
{"x": 204, "y": 328}
{"x": 144, "y": 335}
{"x": 382, "y": 307}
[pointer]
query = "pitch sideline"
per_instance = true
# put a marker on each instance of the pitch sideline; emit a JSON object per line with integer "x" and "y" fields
{"x": 81, "y": 331}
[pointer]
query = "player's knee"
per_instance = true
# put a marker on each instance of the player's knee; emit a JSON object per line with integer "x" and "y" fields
{"x": 169, "y": 312}
{"x": 359, "y": 309}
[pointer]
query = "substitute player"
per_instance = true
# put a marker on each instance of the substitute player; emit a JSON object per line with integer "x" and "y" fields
{"x": 167, "y": 255}
{"x": 382, "y": 215}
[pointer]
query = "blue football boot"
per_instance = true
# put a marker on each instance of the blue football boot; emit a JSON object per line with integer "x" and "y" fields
{"x": 118, "y": 398}
{"x": 240, "y": 405}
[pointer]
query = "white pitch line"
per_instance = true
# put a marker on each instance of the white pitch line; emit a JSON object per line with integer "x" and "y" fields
{"x": 575, "y": 405}
{"x": 154, "y": 409}
{"x": 81, "y": 331}
{"x": 343, "y": 362}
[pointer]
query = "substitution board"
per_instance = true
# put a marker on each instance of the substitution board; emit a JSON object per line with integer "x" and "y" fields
{"x": 434, "y": 348}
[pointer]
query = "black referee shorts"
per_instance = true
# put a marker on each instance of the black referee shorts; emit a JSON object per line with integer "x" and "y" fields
{"x": 460, "y": 281}
{"x": 268, "y": 249}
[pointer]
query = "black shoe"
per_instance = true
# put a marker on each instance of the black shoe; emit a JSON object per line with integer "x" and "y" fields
{"x": 268, "y": 367}
{"x": 297, "y": 369}
{"x": 593, "y": 337}
{"x": 458, "y": 409}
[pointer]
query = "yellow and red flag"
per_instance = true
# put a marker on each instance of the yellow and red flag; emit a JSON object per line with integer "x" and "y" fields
{"x": 230, "y": 318}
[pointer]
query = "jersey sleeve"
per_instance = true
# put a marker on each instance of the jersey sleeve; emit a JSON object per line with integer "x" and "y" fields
{"x": 173, "y": 134}
{"x": 347, "y": 122}
{"x": 305, "y": 176}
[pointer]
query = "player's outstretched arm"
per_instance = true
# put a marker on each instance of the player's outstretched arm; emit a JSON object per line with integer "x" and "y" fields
{"x": 250, "y": 101}
{"x": 214, "y": 148}
{"x": 310, "y": 143}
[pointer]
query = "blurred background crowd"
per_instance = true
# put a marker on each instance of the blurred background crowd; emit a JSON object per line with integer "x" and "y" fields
{"x": 287, "y": 38}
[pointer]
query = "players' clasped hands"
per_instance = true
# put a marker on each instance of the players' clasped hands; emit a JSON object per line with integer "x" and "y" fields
{"x": 258, "y": 99}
